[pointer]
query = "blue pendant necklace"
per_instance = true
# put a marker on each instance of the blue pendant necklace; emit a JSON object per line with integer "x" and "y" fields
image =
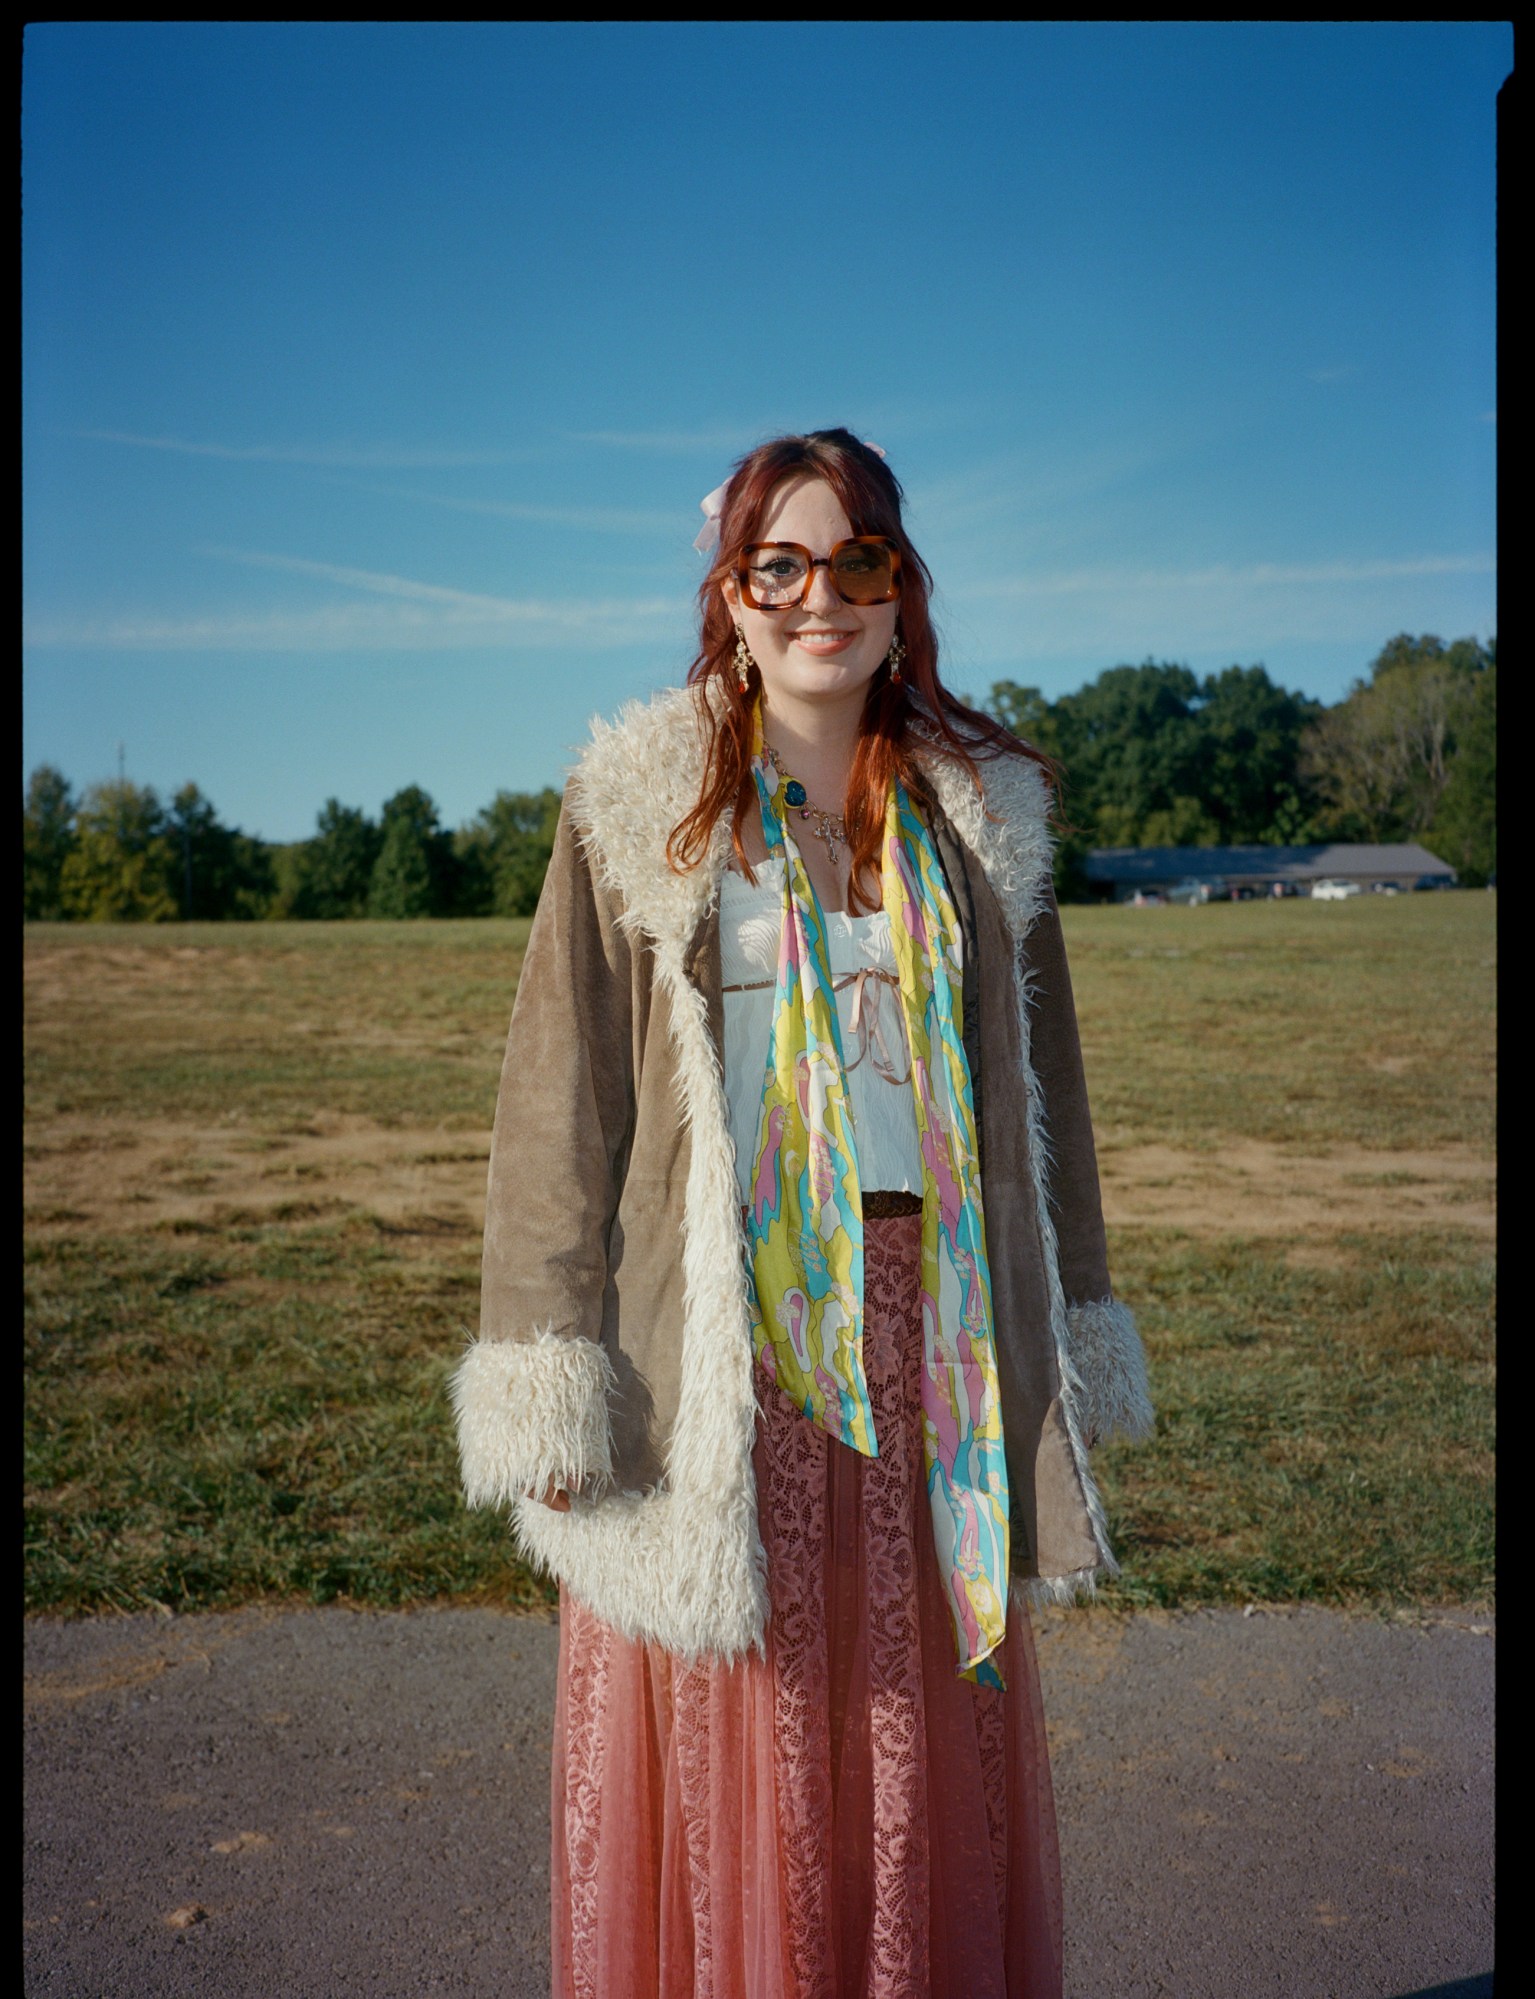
{"x": 830, "y": 827}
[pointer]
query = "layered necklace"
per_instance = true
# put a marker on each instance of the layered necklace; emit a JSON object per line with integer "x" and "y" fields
{"x": 829, "y": 827}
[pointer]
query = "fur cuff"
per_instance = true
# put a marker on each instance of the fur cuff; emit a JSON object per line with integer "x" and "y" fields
{"x": 532, "y": 1411}
{"x": 1110, "y": 1363}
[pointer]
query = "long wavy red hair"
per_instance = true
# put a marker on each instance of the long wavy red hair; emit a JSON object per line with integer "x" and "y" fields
{"x": 871, "y": 497}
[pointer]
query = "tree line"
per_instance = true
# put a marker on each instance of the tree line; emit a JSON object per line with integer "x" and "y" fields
{"x": 1150, "y": 755}
{"x": 1153, "y": 756}
{"x": 117, "y": 854}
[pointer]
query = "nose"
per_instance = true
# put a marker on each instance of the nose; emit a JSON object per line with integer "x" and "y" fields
{"x": 821, "y": 597}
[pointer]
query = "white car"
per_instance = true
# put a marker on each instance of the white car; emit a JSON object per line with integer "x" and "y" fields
{"x": 1334, "y": 891}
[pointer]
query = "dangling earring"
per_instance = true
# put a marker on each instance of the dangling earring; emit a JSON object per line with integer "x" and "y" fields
{"x": 744, "y": 661}
{"x": 893, "y": 660}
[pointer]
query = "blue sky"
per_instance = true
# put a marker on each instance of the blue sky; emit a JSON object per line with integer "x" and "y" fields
{"x": 373, "y": 373}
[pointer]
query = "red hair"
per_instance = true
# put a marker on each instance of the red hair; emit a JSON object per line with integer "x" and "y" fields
{"x": 871, "y": 496}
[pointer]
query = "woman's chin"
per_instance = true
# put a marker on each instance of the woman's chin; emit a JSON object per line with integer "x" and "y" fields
{"x": 806, "y": 678}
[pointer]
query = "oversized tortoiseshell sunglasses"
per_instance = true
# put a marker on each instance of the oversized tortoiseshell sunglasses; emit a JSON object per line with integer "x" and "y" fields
{"x": 775, "y": 575}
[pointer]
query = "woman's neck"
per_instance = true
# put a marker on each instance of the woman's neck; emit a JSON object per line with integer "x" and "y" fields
{"x": 815, "y": 743}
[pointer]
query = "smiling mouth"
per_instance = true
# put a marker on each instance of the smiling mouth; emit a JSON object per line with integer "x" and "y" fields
{"x": 824, "y": 641}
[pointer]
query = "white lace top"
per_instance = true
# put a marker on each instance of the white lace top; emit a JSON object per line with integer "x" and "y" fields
{"x": 868, "y": 1007}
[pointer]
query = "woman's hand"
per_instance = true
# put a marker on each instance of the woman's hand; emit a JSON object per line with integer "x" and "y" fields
{"x": 554, "y": 1496}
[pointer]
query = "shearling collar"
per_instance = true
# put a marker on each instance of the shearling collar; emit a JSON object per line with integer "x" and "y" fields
{"x": 641, "y": 773}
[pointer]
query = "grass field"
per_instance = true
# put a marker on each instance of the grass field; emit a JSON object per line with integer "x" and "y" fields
{"x": 255, "y": 1164}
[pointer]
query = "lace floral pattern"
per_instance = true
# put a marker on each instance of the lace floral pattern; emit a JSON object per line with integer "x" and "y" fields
{"x": 844, "y": 1818}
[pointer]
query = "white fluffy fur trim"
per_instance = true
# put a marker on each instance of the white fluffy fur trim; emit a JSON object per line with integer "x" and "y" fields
{"x": 1008, "y": 830}
{"x": 1060, "y": 1591}
{"x": 532, "y": 1411}
{"x": 1110, "y": 1363}
{"x": 682, "y": 1566}
{"x": 637, "y": 779}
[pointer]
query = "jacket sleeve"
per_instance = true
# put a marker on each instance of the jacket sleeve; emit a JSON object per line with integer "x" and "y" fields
{"x": 531, "y": 1393}
{"x": 1105, "y": 1348}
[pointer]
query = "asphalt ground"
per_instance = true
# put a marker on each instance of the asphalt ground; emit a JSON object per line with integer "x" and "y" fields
{"x": 279, "y": 1804}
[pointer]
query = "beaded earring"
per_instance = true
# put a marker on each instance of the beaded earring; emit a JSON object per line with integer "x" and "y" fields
{"x": 893, "y": 660}
{"x": 744, "y": 661}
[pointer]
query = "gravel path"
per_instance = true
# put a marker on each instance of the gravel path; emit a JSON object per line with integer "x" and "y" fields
{"x": 310, "y": 1805}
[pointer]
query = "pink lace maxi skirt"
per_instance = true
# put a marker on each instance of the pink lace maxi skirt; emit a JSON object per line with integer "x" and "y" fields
{"x": 845, "y": 1818}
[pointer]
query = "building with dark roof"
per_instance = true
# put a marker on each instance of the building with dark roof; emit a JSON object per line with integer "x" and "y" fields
{"x": 1115, "y": 874}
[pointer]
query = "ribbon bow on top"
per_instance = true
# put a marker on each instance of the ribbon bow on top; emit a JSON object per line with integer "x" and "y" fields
{"x": 712, "y": 506}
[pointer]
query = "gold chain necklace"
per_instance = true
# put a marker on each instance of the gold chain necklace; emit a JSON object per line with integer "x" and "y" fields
{"x": 831, "y": 827}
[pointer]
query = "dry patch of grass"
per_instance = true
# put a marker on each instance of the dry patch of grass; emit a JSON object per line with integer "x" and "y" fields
{"x": 255, "y": 1176}
{"x": 261, "y": 1028}
{"x": 1257, "y": 1187}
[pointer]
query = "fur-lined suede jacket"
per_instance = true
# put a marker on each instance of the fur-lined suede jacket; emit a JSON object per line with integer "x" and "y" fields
{"x": 615, "y": 1355}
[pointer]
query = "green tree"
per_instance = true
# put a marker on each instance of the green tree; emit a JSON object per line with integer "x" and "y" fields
{"x": 47, "y": 838}
{"x": 1151, "y": 755}
{"x": 223, "y": 872}
{"x": 1130, "y": 747}
{"x": 504, "y": 853}
{"x": 1249, "y": 734}
{"x": 414, "y": 872}
{"x": 123, "y": 866}
{"x": 289, "y": 861}
{"x": 1465, "y": 828}
{"x": 335, "y": 869}
{"x": 1026, "y": 712}
{"x": 1380, "y": 761}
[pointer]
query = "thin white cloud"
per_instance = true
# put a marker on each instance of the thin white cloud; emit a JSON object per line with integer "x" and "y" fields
{"x": 1256, "y": 575}
{"x": 382, "y": 583}
{"x": 415, "y": 616}
{"x": 376, "y": 458}
{"x": 597, "y": 520}
{"x": 1343, "y": 373}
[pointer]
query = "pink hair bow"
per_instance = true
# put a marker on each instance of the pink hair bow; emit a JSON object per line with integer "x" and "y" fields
{"x": 712, "y": 506}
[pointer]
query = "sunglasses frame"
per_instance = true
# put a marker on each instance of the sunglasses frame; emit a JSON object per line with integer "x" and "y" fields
{"x": 815, "y": 562}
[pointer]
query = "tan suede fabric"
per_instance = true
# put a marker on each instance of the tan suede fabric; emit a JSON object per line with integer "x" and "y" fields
{"x": 588, "y": 1178}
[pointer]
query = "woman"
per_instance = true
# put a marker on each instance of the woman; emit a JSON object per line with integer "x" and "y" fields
{"x": 799, "y": 1426}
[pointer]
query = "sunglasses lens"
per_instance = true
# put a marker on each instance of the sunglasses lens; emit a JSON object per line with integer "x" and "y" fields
{"x": 774, "y": 577}
{"x": 864, "y": 573}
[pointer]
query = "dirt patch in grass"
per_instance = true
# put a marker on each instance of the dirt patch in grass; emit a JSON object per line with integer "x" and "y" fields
{"x": 119, "y": 1173}
{"x": 116, "y": 1174}
{"x": 1252, "y": 1188}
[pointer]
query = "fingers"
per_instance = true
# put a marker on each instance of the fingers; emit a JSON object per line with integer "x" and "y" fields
{"x": 554, "y": 1496}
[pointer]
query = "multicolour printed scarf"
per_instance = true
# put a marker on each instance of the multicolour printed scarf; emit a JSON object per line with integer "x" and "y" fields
{"x": 804, "y": 1224}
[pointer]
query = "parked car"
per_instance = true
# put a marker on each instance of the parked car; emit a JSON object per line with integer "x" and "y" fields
{"x": 1384, "y": 888}
{"x": 1435, "y": 881}
{"x": 1195, "y": 888}
{"x": 1333, "y": 891}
